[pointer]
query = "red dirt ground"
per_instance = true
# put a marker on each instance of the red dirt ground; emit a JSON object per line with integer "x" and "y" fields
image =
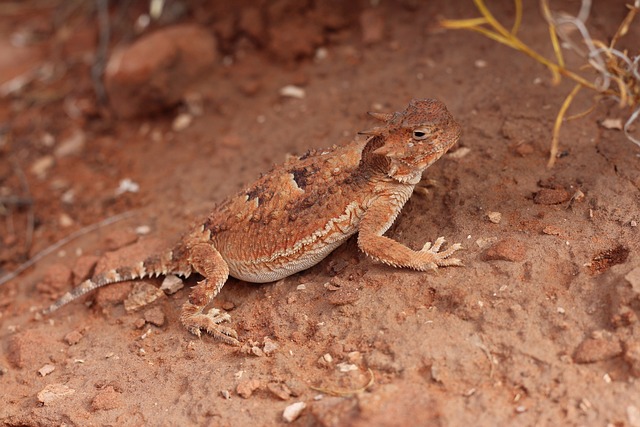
{"x": 539, "y": 328}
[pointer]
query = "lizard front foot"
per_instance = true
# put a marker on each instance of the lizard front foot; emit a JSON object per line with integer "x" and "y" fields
{"x": 209, "y": 322}
{"x": 435, "y": 258}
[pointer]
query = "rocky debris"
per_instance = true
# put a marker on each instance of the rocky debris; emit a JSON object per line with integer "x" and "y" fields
{"x": 155, "y": 316}
{"x": 293, "y": 411}
{"x": 55, "y": 280}
{"x": 71, "y": 145}
{"x": 155, "y": 72}
{"x": 120, "y": 238}
{"x": 494, "y": 217}
{"x": 295, "y": 38}
{"x": 606, "y": 259}
{"x": 41, "y": 166}
{"x": 106, "y": 399}
{"x": 383, "y": 362}
{"x": 84, "y": 267}
{"x": 46, "y": 370}
{"x": 252, "y": 24}
{"x": 171, "y": 284}
{"x": 54, "y": 392}
{"x": 142, "y": 294}
{"x": 551, "y": 196}
{"x": 372, "y": 25}
{"x": 632, "y": 357}
{"x": 112, "y": 294}
{"x": 597, "y": 349}
{"x": 279, "y": 390}
{"x": 73, "y": 337}
{"x": 506, "y": 250}
{"x": 269, "y": 346}
{"x": 246, "y": 388}
{"x": 633, "y": 277}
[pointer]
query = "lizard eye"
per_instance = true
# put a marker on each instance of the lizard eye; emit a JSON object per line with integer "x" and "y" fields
{"x": 420, "y": 134}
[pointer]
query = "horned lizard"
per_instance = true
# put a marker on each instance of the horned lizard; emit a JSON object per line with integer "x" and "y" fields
{"x": 294, "y": 216}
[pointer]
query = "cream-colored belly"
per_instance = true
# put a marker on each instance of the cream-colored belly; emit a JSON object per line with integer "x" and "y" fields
{"x": 278, "y": 268}
{"x": 306, "y": 252}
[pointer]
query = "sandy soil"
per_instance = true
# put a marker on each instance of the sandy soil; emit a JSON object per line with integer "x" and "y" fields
{"x": 539, "y": 328}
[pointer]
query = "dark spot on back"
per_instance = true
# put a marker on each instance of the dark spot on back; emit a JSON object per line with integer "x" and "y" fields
{"x": 255, "y": 192}
{"x": 301, "y": 175}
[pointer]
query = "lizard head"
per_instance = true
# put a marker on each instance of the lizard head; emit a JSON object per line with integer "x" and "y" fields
{"x": 415, "y": 138}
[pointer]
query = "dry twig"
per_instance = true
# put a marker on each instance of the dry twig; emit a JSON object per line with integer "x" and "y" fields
{"x": 617, "y": 74}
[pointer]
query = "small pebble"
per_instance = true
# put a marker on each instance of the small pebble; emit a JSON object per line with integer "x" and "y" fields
{"x": 246, "y": 388}
{"x": 494, "y": 217}
{"x": 279, "y": 390}
{"x": 53, "y": 392}
{"x": 609, "y": 123}
{"x": 269, "y": 346}
{"x": 181, "y": 122}
{"x": 291, "y": 91}
{"x": 155, "y": 316}
{"x": 127, "y": 186}
{"x": 171, "y": 284}
{"x": 46, "y": 370}
{"x": 480, "y": 63}
{"x": 73, "y": 337}
{"x": 293, "y": 411}
{"x": 346, "y": 367}
{"x": 143, "y": 230}
{"x": 41, "y": 166}
{"x": 141, "y": 295}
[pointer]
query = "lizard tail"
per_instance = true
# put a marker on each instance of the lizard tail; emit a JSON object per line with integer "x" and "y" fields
{"x": 151, "y": 267}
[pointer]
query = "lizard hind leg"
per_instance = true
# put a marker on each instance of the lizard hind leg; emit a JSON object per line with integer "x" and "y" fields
{"x": 207, "y": 261}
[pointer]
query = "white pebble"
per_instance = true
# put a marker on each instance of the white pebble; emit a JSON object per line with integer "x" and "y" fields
{"x": 293, "y": 411}
{"x": 181, "y": 122}
{"x": 292, "y": 91}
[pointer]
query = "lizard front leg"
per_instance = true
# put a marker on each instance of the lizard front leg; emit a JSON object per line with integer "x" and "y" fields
{"x": 377, "y": 219}
{"x": 207, "y": 261}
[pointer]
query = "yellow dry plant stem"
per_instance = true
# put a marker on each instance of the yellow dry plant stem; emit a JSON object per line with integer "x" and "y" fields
{"x": 583, "y": 114}
{"x": 502, "y": 35}
{"x": 555, "y": 142}
{"x": 624, "y": 26}
{"x": 553, "y": 34}
{"x": 518, "y": 20}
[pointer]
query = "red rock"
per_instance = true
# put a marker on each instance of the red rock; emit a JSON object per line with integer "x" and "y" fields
{"x": 120, "y": 238}
{"x": 294, "y": 39}
{"x": 632, "y": 357}
{"x": 551, "y": 196}
{"x": 246, "y": 388}
{"x": 25, "y": 349}
{"x": 372, "y": 26}
{"x": 506, "y": 250}
{"x": 597, "y": 349}
{"x": 56, "y": 278}
{"x": 106, "y": 399}
{"x": 84, "y": 267}
{"x": 155, "y": 316}
{"x": 73, "y": 337}
{"x": 155, "y": 72}
{"x": 252, "y": 24}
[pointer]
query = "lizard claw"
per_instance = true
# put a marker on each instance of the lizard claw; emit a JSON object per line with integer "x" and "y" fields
{"x": 441, "y": 259}
{"x": 210, "y": 322}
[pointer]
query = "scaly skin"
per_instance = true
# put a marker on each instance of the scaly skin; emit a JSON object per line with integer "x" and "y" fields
{"x": 295, "y": 215}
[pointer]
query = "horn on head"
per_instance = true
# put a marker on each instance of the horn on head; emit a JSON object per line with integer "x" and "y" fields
{"x": 383, "y": 117}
